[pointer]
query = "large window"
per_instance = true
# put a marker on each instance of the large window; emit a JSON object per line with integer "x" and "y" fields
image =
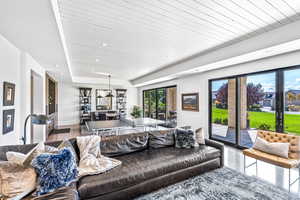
{"x": 241, "y": 105}
{"x": 223, "y": 110}
{"x": 160, "y": 103}
{"x": 257, "y": 106}
{"x": 292, "y": 101}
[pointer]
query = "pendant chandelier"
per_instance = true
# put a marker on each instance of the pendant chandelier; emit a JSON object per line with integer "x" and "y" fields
{"x": 109, "y": 90}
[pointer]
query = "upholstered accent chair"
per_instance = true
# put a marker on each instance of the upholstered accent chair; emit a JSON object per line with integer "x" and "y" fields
{"x": 293, "y": 160}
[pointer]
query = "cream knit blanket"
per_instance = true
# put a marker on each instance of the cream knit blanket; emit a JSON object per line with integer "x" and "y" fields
{"x": 91, "y": 161}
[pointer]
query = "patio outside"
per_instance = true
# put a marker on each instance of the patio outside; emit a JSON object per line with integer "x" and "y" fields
{"x": 257, "y": 107}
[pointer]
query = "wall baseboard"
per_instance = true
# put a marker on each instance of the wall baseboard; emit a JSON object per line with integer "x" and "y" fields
{"x": 68, "y": 122}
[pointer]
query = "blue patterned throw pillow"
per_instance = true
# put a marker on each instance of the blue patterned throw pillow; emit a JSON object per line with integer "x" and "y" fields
{"x": 55, "y": 170}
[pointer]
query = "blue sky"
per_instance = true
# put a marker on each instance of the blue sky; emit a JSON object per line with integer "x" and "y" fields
{"x": 267, "y": 80}
{"x": 292, "y": 80}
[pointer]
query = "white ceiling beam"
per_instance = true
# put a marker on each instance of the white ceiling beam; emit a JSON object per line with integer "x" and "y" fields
{"x": 263, "y": 41}
{"x": 58, "y": 20}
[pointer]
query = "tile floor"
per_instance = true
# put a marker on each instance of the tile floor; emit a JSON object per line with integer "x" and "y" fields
{"x": 270, "y": 173}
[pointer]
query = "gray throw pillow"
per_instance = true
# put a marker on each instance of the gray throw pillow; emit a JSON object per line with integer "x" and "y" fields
{"x": 275, "y": 148}
{"x": 161, "y": 138}
{"x": 185, "y": 138}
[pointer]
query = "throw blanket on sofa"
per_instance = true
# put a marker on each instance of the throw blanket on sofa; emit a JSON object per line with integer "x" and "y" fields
{"x": 91, "y": 161}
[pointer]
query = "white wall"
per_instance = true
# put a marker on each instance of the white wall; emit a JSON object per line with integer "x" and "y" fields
{"x": 15, "y": 67}
{"x": 68, "y": 104}
{"x": 28, "y": 64}
{"x": 68, "y": 100}
{"x": 199, "y": 83}
{"x": 10, "y": 71}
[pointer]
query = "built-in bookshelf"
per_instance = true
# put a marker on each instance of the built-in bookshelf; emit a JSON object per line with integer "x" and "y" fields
{"x": 85, "y": 104}
{"x": 121, "y": 101}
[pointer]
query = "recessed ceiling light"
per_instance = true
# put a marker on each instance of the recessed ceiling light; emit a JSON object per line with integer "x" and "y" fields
{"x": 103, "y": 44}
{"x": 57, "y": 66}
{"x": 97, "y": 60}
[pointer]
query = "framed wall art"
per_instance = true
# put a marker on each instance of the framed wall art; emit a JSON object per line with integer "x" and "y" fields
{"x": 8, "y": 94}
{"x": 190, "y": 102}
{"x": 8, "y": 121}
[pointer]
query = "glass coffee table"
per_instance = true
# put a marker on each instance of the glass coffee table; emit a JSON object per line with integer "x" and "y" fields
{"x": 122, "y": 126}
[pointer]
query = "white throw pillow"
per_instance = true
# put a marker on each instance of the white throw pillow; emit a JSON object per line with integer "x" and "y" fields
{"x": 37, "y": 150}
{"x": 16, "y": 181}
{"x": 15, "y": 157}
{"x": 275, "y": 148}
{"x": 200, "y": 137}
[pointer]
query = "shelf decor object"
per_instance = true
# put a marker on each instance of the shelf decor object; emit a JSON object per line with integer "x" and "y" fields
{"x": 85, "y": 96}
{"x": 121, "y": 102}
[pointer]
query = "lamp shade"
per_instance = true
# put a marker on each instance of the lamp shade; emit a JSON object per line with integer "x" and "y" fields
{"x": 40, "y": 119}
{"x": 109, "y": 95}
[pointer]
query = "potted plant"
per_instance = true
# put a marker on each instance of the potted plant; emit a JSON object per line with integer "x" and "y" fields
{"x": 136, "y": 112}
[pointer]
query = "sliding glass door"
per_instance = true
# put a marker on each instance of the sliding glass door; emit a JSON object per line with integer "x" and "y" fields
{"x": 152, "y": 104}
{"x": 146, "y": 103}
{"x": 149, "y": 101}
{"x": 257, "y": 106}
{"x": 243, "y": 104}
{"x": 160, "y": 103}
{"x": 223, "y": 110}
{"x": 291, "y": 119}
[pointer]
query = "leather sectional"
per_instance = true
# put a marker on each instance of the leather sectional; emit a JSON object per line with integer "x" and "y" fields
{"x": 143, "y": 170}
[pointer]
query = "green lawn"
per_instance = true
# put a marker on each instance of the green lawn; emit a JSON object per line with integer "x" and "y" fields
{"x": 292, "y": 122}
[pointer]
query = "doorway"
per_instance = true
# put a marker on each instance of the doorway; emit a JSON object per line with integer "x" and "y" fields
{"x": 37, "y": 106}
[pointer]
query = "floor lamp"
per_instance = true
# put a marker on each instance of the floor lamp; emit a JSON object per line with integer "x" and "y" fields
{"x": 35, "y": 119}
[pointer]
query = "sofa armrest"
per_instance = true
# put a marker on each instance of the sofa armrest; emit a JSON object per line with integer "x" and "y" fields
{"x": 217, "y": 145}
{"x": 16, "y": 148}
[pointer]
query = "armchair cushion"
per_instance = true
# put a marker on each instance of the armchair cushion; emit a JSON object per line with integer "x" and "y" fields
{"x": 294, "y": 149}
{"x": 275, "y": 148}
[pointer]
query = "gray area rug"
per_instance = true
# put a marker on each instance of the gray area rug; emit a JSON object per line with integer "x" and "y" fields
{"x": 221, "y": 184}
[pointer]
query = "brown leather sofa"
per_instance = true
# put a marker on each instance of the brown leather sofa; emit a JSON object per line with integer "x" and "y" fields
{"x": 143, "y": 169}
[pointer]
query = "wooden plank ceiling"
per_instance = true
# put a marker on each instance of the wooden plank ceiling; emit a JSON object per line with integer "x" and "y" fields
{"x": 130, "y": 38}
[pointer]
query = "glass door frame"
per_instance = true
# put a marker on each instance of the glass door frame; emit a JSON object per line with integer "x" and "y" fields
{"x": 279, "y": 98}
{"x": 237, "y": 131}
{"x": 156, "y": 99}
